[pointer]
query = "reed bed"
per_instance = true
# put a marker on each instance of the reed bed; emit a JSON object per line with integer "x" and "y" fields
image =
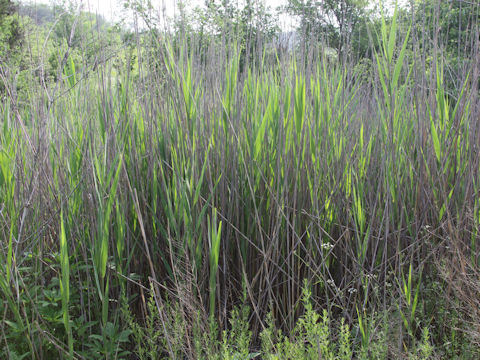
{"x": 206, "y": 184}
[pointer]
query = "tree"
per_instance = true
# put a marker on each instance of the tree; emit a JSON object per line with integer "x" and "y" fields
{"x": 347, "y": 15}
{"x": 10, "y": 29}
{"x": 6, "y": 8}
{"x": 251, "y": 25}
{"x": 333, "y": 21}
{"x": 257, "y": 27}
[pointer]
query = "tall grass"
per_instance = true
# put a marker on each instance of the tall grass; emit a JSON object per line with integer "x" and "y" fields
{"x": 209, "y": 183}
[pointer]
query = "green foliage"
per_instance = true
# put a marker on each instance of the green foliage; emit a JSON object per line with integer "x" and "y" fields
{"x": 10, "y": 29}
{"x": 214, "y": 240}
{"x": 110, "y": 343}
{"x": 65, "y": 284}
{"x": 148, "y": 339}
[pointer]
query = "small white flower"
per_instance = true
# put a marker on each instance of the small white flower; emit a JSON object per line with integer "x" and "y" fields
{"x": 326, "y": 246}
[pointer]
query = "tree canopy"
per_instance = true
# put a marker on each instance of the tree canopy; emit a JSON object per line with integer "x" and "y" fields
{"x": 10, "y": 29}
